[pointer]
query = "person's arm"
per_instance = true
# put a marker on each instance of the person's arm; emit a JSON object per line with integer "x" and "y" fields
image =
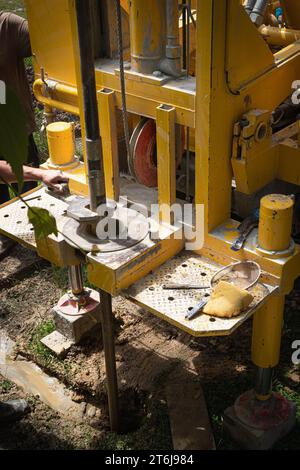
{"x": 53, "y": 179}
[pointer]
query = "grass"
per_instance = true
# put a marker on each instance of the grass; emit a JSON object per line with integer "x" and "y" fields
{"x": 42, "y": 355}
{"x": 15, "y": 6}
{"x": 40, "y": 136}
{"x": 60, "y": 277}
{"x": 35, "y": 345}
{"x": 6, "y": 386}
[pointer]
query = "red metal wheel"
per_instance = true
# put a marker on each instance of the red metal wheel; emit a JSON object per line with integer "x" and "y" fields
{"x": 143, "y": 165}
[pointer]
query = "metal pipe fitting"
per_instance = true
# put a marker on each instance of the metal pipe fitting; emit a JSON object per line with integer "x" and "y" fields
{"x": 171, "y": 65}
{"x": 258, "y": 13}
{"x": 263, "y": 382}
{"x": 279, "y": 36}
{"x": 64, "y": 96}
{"x": 249, "y": 5}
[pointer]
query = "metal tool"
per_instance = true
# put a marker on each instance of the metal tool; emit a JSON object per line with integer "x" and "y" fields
{"x": 183, "y": 286}
{"x": 245, "y": 228}
{"x": 243, "y": 274}
{"x": 62, "y": 193}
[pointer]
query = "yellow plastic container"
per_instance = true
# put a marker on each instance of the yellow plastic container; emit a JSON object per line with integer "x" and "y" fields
{"x": 275, "y": 222}
{"x": 60, "y": 136}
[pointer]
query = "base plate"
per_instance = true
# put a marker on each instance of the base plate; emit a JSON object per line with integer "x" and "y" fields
{"x": 172, "y": 305}
{"x": 259, "y": 427}
{"x": 13, "y": 215}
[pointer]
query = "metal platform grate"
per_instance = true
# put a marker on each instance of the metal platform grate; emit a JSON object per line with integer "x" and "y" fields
{"x": 13, "y": 216}
{"x": 172, "y": 305}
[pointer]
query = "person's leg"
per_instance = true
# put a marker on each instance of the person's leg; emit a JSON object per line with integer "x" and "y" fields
{"x": 5, "y": 243}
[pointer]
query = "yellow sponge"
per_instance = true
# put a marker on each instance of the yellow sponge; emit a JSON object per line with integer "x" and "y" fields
{"x": 227, "y": 301}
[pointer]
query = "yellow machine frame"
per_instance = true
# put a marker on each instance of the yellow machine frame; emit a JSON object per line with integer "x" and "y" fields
{"x": 227, "y": 106}
{"x": 235, "y": 73}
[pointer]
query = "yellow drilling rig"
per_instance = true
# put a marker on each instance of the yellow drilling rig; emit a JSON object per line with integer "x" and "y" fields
{"x": 190, "y": 104}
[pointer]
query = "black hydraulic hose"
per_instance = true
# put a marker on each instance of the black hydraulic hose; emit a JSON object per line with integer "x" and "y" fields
{"x": 184, "y": 21}
{"x": 122, "y": 82}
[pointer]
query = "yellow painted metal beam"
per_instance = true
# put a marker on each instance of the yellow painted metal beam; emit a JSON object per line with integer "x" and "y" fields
{"x": 289, "y": 164}
{"x": 143, "y": 97}
{"x": 108, "y": 131}
{"x": 213, "y": 118}
{"x": 166, "y": 170}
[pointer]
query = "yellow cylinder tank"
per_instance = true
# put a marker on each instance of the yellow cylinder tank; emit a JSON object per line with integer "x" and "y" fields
{"x": 60, "y": 136}
{"x": 275, "y": 222}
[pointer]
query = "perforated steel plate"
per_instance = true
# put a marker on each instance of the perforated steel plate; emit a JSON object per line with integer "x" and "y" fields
{"x": 172, "y": 305}
{"x": 13, "y": 216}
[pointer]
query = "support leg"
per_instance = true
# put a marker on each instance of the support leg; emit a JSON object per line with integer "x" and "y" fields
{"x": 110, "y": 359}
{"x": 266, "y": 340}
{"x": 260, "y": 417}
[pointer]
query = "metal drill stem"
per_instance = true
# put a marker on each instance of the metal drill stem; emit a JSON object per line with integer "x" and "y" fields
{"x": 110, "y": 359}
{"x": 263, "y": 382}
{"x": 76, "y": 279}
{"x": 122, "y": 80}
{"x": 94, "y": 156}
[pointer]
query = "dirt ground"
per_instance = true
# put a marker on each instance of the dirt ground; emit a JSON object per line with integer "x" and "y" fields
{"x": 149, "y": 352}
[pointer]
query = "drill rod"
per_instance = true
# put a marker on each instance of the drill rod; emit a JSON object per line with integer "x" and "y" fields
{"x": 110, "y": 359}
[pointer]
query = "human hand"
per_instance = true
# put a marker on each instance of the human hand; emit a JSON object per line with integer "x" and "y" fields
{"x": 54, "y": 180}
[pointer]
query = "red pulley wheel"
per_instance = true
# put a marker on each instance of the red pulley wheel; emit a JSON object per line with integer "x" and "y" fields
{"x": 143, "y": 164}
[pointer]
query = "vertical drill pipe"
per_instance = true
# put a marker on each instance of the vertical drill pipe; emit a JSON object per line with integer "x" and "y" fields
{"x": 189, "y": 12}
{"x": 122, "y": 81}
{"x": 92, "y": 133}
{"x": 110, "y": 359}
{"x": 76, "y": 279}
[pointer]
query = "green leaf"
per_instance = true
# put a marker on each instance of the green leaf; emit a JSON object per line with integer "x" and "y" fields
{"x": 43, "y": 222}
{"x": 13, "y": 135}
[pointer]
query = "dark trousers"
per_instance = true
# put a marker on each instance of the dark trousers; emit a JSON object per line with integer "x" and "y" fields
{"x": 32, "y": 160}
